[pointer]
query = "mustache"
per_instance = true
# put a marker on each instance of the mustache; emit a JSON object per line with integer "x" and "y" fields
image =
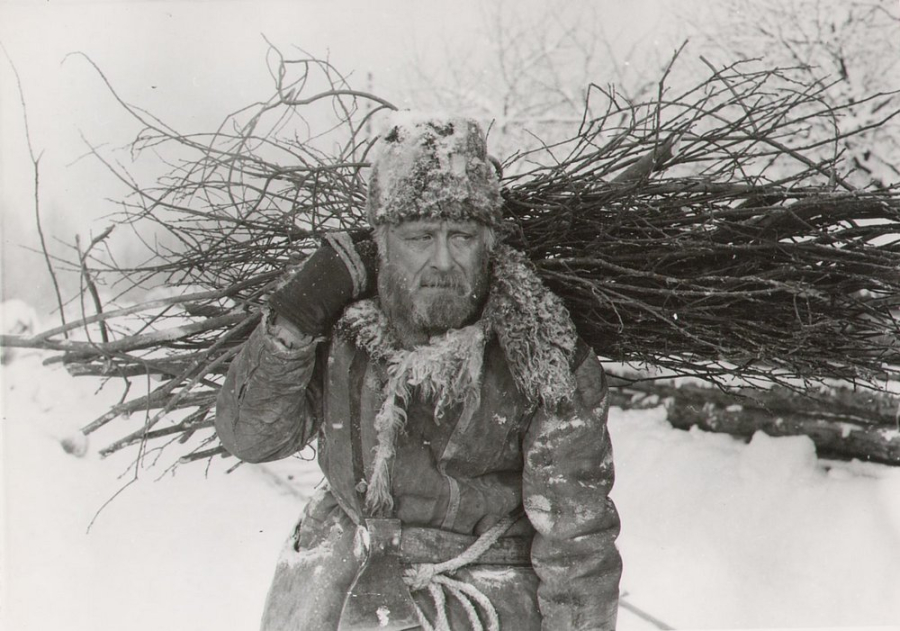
{"x": 450, "y": 279}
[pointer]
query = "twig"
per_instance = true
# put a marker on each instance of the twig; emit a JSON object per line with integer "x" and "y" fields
{"x": 109, "y": 501}
{"x": 206, "y": 453}
{"x": 35, "y": 162}
{"x": 656, "y": 622}
{"x": 88, "y": 350}
{"x": 86, "y": 276}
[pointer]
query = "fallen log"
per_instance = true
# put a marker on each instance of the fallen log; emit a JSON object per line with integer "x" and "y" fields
{"x": 842, "y": 424}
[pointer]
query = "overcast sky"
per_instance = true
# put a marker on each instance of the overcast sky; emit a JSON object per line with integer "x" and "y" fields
{"x": 192, "y": 62}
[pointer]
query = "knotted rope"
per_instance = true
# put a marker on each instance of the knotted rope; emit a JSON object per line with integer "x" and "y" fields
{"x": 433, "y": 577}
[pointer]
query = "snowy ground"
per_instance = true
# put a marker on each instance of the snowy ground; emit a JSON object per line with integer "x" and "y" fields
{"x": 716, "y": 533}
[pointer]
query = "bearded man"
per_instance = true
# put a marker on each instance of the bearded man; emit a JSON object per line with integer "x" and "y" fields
{"x": 461, "y": 423}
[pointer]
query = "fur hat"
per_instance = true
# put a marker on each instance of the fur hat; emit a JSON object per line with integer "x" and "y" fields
{"x": 433, "y": 167}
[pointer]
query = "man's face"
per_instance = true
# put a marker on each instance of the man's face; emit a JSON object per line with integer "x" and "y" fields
{"x": 433, "y": 275}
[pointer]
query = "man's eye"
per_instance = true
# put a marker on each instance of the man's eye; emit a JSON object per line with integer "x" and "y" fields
{"x": 463, "y": 238}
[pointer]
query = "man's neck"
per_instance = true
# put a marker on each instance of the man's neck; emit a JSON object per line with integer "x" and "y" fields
{"x": 410, "y": 335}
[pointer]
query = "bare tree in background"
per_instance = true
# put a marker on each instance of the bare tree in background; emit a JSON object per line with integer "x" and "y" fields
{"x": 851, "y": 48}
{"x": 532, "y": 84}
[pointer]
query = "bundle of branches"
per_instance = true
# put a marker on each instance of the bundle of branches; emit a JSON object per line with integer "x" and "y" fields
{"x": 728, "y": 245}
{"x": 704, "y": 231}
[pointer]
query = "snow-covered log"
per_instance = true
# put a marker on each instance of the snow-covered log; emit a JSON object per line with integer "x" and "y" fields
{"x": 842, "y": 423}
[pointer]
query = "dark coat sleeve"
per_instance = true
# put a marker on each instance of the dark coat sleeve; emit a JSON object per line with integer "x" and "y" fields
{"x": 566, "y": 483}
{"x": 267, "y": 407}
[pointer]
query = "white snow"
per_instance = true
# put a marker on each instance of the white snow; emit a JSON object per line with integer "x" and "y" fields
{"x": 715, "y": 533}
{"x": 384, "y": 616}
{"x": 186, "y": 552}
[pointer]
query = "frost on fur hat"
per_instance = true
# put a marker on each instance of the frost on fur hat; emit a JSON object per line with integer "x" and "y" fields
{"x": 433, "y": 167}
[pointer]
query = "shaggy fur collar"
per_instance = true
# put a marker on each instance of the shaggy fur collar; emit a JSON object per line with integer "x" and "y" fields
{"x": 531, "y": 325}
{"x": 530, "y": 322}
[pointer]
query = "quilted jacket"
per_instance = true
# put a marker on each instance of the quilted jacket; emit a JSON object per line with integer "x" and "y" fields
{"x": 523, "y": 425}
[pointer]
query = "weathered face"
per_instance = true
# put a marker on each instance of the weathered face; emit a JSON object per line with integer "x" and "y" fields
{"x": 433, "y": 275}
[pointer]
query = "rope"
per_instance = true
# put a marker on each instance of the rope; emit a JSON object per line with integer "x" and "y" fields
{"x": 432, "y": 576}
{"x": 466, "y": 593}
{"x": 467, "y": 605}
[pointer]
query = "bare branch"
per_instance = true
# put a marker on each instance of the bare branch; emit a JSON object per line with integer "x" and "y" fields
{"x": 35, "y": 162}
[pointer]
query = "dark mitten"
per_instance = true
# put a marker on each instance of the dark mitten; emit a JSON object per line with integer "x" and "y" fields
{"x": 344, "y": 269}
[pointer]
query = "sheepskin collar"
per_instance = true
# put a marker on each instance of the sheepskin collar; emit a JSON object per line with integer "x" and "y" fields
{"x": 531, "y": 325}
{"x": 529, "y": 321}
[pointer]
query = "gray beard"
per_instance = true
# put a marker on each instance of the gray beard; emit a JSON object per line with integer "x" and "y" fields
{"x": 415, "y": 315}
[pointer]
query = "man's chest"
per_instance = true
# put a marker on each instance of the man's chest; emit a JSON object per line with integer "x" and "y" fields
{"x": 480, "y": 433}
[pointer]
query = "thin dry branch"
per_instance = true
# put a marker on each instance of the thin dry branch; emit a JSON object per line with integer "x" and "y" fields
{"x": 36, "y": 170}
